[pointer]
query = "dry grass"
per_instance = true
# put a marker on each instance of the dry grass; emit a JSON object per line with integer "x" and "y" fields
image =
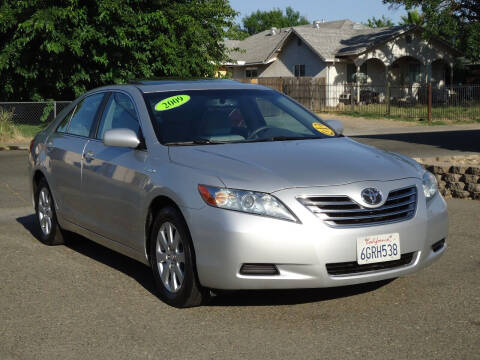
{"x": 9, "y": 132}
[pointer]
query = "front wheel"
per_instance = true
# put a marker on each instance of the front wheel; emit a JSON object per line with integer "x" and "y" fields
{"x": 50, "y": 231}
{"x": 173, "y": 262}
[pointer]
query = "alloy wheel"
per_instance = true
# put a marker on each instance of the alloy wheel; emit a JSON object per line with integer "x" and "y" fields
{"x": 170, "y": 257}
{"x": 45, "y": 214}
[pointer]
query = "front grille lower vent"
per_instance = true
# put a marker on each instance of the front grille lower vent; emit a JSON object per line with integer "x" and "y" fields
{"x": 341, "y": 211}
{"x": 352, "y": 267}
{"x": 259, "y": 269}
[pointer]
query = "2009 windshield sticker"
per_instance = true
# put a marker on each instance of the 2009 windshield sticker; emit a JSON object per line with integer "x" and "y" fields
{"x": 323, "y": 129}
{"x": 172, "y": 102}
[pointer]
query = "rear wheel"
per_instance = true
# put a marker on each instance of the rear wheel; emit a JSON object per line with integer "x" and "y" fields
{"x": 50, "y": 231}
{"x": 173, "y": 262}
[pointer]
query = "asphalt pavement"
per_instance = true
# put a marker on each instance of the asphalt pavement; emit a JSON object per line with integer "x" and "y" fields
{"x": 83, "y": 301}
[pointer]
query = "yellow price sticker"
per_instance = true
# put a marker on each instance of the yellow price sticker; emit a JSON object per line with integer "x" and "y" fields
{"x": 172, "y": 102}
{"x": 324, "y": 129}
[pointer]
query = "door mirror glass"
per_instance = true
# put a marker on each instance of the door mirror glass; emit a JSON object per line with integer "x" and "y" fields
{"x": 122, "y": 138}
{"x": 336, "y": 125}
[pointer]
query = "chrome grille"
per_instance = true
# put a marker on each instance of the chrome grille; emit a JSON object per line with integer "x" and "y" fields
{"x": 341, "y": 211}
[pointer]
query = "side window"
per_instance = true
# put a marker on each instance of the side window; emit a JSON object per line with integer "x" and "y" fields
{"x": 64, "y": 124}
{"x": 118, "y": 114}
{"x": 84, "y": 115}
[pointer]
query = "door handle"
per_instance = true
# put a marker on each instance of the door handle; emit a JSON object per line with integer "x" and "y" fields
{"x": 88, "y": 156}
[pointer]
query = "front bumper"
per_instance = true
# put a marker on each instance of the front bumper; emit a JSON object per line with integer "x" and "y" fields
{"x": 224, "y": 240}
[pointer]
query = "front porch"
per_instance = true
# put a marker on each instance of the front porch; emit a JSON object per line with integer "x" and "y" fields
{"x": 404, "y": 80}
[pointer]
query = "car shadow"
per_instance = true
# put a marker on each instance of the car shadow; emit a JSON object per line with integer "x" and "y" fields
{"x": 460, "y": 140}
{"x": 291, "y": 296}
{"x": 142, "y": 274}
{"x": 132, "y": 268}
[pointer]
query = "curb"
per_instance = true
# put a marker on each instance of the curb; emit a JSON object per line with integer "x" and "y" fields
{"x": 13, "y": 147}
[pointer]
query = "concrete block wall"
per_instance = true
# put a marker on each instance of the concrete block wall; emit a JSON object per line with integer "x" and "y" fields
{"x": 458, "y": 177}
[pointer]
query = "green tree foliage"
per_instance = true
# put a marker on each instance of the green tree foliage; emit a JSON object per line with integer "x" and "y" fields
{"x": 374, "y": 22}
{"x": 237, "y": 33}
{"x": 60, "y": 49}
{"x": 259, "y": 21}
{"x": 458, "y": 21}
{"x": 413, "y": 17}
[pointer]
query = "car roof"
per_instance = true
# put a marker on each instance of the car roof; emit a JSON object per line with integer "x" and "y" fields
{"x": 203, "y": 84}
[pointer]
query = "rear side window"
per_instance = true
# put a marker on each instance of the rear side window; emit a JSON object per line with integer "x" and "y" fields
{"x": 84, "y": 115}
{"x": 118, "y": 114}
{"x": 64, "y": 124}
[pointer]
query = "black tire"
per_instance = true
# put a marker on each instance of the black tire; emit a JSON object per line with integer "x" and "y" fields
{"x": 55, "y": 236}
{"x": 190, "y": 293}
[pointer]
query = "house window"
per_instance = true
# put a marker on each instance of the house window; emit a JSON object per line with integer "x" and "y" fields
{"x": 352, "y": 69}
{"x": 251, "y": 73}
{"x": 414, "y": 73}
{"x": 299, "y": 42}
{"x": 300, "y": 70}
{"x": 408, "y": 39}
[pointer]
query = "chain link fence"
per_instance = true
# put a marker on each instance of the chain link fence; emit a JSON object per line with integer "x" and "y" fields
{"x": 33, "y": 113}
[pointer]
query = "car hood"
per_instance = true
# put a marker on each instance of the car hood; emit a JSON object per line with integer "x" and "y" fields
{"x": 272, "y": 166}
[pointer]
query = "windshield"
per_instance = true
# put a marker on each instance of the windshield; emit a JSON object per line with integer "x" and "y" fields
{"x": 228, "y": 116}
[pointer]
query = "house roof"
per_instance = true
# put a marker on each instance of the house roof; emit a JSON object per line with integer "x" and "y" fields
{"x": 257, "y": 48}
{"x": 329, "y": 40}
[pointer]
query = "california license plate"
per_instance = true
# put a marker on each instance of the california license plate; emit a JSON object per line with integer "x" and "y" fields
{"x": 378, "y": 248}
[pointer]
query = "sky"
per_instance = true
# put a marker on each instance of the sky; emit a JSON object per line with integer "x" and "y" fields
{"x": 356, "y": 10}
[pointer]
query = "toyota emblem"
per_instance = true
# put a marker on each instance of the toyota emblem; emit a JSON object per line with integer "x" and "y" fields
{"x": 371, "y": 196}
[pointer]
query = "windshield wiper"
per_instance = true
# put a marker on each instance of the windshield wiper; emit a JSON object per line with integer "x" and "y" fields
{"x": 283, "y": 138}
{"x": 196, "y": 142}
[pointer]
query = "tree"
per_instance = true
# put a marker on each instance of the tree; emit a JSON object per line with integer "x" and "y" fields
{"x": 237, "y": 33}
{"x": 373, "y": 22}
{"x": 413, "y": 17}
{"x": 458, "y": 21}
{"x": 53, "y": 49}
{"x": 263, "y": 20}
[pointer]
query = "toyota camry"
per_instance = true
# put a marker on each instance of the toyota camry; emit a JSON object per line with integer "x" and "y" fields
{"x": 216, "y": 184}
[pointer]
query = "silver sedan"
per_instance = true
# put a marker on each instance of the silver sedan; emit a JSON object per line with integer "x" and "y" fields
{"x": 220, "y": 185}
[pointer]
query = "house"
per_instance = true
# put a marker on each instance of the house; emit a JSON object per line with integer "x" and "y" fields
{"x": 338, "y": 50}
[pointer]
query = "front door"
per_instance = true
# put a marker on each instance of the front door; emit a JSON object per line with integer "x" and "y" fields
{"x": 113, "y": 178}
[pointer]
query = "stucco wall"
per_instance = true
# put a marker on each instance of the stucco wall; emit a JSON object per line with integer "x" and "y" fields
{"x": 292, "y": 54}
{"x": 375, "y": 73}
{"x": 336, "y": 77}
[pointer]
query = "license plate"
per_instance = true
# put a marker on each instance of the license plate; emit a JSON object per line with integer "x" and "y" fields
{"x": 378, "y": 248}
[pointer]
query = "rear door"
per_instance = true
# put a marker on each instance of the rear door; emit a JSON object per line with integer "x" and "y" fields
{"x": 113, "y": 178}
{"x": 65, "y": 148}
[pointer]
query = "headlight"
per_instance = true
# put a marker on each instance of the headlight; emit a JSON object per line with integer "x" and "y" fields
{"x": 430, "y": 185}
{"x": 245, "y": 201}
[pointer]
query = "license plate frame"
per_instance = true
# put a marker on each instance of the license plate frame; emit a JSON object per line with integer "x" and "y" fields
{"x": 378, "y": 248}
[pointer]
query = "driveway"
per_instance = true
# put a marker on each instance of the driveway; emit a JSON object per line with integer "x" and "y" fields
{"x": 83, "y": 301}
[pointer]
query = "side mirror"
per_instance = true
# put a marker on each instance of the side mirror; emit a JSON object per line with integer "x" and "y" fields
{"x": 336, "y": 125}
{"x": 121, "y": 137}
